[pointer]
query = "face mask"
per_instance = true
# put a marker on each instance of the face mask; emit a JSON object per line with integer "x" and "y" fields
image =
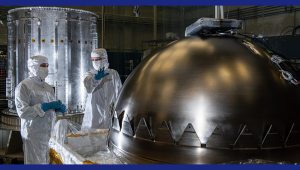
{"x": 102, "y": 64}
{"x": 43, "y": 72}
{"x": 98, "y": 64}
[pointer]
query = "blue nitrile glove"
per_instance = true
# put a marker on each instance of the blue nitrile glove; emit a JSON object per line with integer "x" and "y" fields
{"x": 100, "y": 74}
{"x": 51, "y": 105}
{"x": 62, "y": 109}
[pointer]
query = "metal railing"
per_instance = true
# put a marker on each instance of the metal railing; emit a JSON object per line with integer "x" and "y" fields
{"x": 258, "y": 11}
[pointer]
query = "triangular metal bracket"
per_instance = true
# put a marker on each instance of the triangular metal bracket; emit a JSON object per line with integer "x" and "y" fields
{"x": 219, "y": 130}
{"x": 246, "y": 139}
{"x": 189, "y": 137}
{"x": 239, "y": 134}
{"x": 111, "y": 115}
{"x": 293, "y": 137}
{"x": 142, "y": 130}
{"x": 111, "y": 108}
{"x": 164, "y": 134}
{"x": 217, "y": 139}
{"x": 272, "y": 139}
{"x": 126, "y": 126}
{"x": 204, "y": 138}
{"x": 120, "y": 118}
{"x": 116, "y": 124}
{"x": 265, "y": 136}
{"x": 232, "y": 132}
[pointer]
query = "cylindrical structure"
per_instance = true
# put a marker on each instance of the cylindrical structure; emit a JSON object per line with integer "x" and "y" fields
{"x": 222, "y": 12}
{"x": 216, "y": 11}
{"x": 3, "y": 74}
{"x": 66, "y": 36}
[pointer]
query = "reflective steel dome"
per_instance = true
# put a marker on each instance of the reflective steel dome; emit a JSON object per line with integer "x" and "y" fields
{"x": 207, "y": 100}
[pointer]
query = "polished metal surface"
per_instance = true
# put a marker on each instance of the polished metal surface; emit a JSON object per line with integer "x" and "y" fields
{"x": 207, "y": 100}
{"x": 66, "y": 36}
{"x": 147, "y": 152}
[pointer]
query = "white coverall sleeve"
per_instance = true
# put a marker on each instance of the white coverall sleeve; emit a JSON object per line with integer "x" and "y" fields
{"x": 24, "y": 110}
{"x": 90, "y": 83}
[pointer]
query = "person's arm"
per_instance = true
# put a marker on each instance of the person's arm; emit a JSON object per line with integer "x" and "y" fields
{"x": 22, "y": 101}
{"x": 90, "y": 83}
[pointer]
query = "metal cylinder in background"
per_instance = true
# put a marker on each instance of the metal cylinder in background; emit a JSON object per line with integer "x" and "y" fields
{"x": 66, "y": 36}
{"x": 3, "y": 72}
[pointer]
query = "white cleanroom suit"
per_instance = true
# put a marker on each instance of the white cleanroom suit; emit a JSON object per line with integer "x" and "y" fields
{"x": 36, "y": 122}
{"x": 101, "y": 93}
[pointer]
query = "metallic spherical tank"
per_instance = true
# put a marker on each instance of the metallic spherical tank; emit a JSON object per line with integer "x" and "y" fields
{"x": 207, "y": 100}
{"x": 66, "y": 36}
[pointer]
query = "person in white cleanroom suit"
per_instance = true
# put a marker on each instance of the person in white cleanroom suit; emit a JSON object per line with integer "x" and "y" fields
{"x": 103, "y": 86}
{"x": 36, "y": 106}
